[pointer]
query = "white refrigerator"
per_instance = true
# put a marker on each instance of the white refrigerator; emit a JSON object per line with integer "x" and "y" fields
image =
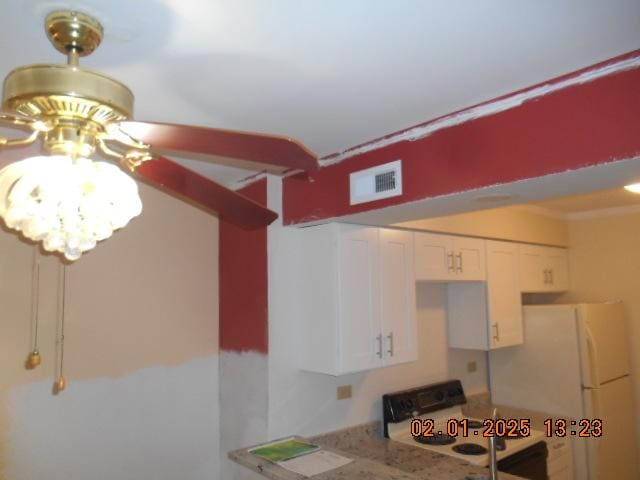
{"x": 575, "y": 363}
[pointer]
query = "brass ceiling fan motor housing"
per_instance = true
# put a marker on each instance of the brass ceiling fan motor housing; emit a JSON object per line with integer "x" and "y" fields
{"x": 78, "y": 104}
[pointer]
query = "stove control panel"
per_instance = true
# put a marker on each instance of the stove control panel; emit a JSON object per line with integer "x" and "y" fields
{"x": 407, "y": 404}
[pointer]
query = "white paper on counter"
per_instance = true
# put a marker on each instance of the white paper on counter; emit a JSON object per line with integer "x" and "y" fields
{"x": 315, "y": 463}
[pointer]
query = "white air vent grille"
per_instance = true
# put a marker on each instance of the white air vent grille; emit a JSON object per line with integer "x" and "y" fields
{"x": 385, "y": 181}
{"x": 382, "y": 181}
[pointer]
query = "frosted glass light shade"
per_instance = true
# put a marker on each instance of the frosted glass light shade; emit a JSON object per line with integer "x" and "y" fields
{"x": 69, "y": 205}
{"x": 634, "y": 187}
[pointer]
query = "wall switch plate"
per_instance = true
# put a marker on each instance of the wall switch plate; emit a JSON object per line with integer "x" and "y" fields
{"x": 344, "y": 391}
{"x": 472, "y": 367}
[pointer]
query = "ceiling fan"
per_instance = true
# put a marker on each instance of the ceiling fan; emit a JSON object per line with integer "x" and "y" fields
{"x": 70, "y": 202}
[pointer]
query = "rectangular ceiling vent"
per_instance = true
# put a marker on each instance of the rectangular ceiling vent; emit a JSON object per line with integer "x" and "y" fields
{"x": 382, "y": 181}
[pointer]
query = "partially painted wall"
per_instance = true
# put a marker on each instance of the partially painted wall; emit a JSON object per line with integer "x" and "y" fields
{"x": 141, "y": 354}
{"x": 244, "y": 337}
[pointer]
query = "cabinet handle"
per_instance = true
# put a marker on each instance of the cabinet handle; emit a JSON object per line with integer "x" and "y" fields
{"x": 551, "y": 277}
{"x": 390, "y": 337}
{"x": 459, "y": 257}
{"x": 496, "y": 336}
{"x": 451, "y": 265}
{"x": 379, "y": 339}
{"x": 545, "y": 276}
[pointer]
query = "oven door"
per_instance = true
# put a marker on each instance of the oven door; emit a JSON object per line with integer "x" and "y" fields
{"x": 530, "y": 463}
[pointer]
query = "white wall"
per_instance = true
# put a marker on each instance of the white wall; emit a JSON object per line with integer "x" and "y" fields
{"x": 141, "y": 355}
{"x": 305, "y": 403}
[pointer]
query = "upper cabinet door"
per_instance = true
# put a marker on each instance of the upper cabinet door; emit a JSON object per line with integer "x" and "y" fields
{"x": 543, "y": 269}
{"x": 558, "y": 266}
{"x": 503, "y": 295}
{"x": 445, "y": 258}
{"x": 533, "y": 274}
{"x": 397, "y": 296}
{"x": 360, "y": 340}
{"x": 434, "y": 257}
{"x": 469, "y": 259}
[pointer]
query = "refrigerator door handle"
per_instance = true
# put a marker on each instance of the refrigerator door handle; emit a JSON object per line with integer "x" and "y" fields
{"x": 592, "y": 359}
{"x": 593, "y": 409}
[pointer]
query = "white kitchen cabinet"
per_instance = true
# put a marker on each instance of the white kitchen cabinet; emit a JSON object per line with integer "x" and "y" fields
{"x": 470, "y": 258}
{"x": 558, "y": 265}
{"x": 447, "y": 258}
{"x": 543, "y": 269}
{"x": 533, "y": 273}
{"x": 358, "y": 297}
{"x": 434, "y": 257}
{"x": 398, "y": 296}
{"x": 486, "y": 316}
{"x": 358, "y": 289}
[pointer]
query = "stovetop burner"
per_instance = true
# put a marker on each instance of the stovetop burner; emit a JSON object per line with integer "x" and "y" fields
{"x": 470, "y": 449}
{"x": 437, "y": 439}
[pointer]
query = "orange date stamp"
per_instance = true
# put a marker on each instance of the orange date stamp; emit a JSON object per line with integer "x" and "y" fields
{"x": 507, "y": 427}
{"x": 499, "y": 427}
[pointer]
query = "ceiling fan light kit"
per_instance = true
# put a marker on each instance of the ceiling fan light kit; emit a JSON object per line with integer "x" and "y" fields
{"x": 67, "y": 203}
{"x": 70, "y": 202}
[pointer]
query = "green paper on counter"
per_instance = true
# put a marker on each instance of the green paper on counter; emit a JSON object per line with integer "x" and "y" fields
{"x": 284, "y": 449}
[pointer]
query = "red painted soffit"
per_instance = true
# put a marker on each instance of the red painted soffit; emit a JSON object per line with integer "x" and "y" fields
{"x": 577, "y": 120}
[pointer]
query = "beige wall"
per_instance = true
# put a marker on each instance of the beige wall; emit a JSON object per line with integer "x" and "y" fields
{"x": 604, "y": 260}
{"x": 522, "y": 224}
{"x": 141, "y": 338}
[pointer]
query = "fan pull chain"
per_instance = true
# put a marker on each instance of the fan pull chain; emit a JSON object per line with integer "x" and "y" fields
{"x": 61, "y": 383}
{"x": 34, "y": 359}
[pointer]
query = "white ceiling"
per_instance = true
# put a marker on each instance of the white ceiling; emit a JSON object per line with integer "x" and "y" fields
{"x": 332, "y": 73}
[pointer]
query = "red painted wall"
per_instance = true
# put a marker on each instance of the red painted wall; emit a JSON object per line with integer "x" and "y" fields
{"x": 582, "y": 125}
{"x": 244, "y": 282}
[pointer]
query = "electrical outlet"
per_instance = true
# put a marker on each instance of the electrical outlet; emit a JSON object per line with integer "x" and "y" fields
{"x": 344, "y": 391}
{"x": 472, "y": 367}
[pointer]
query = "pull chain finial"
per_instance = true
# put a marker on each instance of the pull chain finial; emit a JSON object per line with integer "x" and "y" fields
{"x": 61, "y": 383}
{"x": 34, "y": 359}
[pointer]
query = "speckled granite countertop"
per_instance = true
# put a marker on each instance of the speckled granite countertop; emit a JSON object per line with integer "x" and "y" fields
{"x": 375, "y": 458}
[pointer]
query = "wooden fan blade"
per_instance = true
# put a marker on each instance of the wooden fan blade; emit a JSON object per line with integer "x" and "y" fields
{"x": 229, "y": 205}
{"x": 253, "y": 147}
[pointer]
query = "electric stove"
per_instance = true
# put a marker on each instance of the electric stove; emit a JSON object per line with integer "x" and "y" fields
{"x": 443, "y": 428}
